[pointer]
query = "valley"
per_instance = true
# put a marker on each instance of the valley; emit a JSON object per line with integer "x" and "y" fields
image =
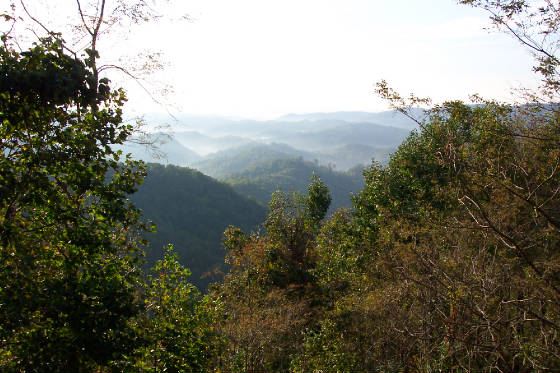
{"x": 211, "y": 172}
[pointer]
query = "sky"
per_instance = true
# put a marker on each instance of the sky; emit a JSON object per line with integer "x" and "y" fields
{"x": 264, "y": 58}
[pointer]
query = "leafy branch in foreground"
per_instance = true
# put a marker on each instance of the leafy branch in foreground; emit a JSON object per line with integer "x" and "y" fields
{"x": 69, "y": 235}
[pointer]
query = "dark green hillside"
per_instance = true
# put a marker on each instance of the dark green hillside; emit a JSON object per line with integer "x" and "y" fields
{"x": 227, "y": 162}
{"x": 261, "y": 180}
{"x": 191, "y": 211}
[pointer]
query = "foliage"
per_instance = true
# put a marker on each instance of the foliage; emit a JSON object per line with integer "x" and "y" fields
{"x": 191, "y": 211}
{"x": 466, "y": 246}
{"x": 269, "y": 292}
{"x": 68, "y": 233}
{"x": 318, "y": 201}
{"x": 177, "y": 325}
{"x": 260, "y": 180}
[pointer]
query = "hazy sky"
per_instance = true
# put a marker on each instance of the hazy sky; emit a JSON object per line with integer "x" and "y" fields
{"x": 264, "y": 58}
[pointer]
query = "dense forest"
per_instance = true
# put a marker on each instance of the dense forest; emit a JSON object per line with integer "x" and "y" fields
{"x": 191, "y": 211}
{"x": 447, "y": 259}
{"x": 260, "y": 180}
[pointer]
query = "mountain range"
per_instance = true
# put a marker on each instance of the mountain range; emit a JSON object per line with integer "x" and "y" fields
{"x": 340, "y": 140}
{"x": 234, "y": 166}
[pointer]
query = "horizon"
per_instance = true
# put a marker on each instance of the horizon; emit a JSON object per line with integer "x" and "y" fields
{"x": 262, "y": 60}
{"x": 272, "y": 118}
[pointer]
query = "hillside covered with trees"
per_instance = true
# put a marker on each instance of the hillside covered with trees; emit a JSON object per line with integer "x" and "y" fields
{"x": 191, "y": 211}
{"x": 447, "y": 260}
{"x": 260, "y": 180}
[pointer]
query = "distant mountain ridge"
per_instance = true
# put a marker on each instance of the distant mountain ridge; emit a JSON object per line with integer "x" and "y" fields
{"x": 231, "y": 161}
{"x": 205, "y": 144}
{"x": 347, "y": 133}
{"x": 166, "y": 150}
{"x": 390, "y": 118}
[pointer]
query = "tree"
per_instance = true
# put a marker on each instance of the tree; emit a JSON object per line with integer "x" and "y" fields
{"x": 318, "y": 201}
{"x": 90, "y": 27}
{"x": 460, "y": 240}
{"x": 69, "y": 236}
{"x": 291, "y": 228}
{"x": 535, "y": 25}
{"x": 177, "y": 325}
{"x": 268, "y": 295}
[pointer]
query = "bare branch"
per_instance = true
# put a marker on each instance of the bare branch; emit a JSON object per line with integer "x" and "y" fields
{"x": 47, "y": 30}
{"x": 86, "y": 26}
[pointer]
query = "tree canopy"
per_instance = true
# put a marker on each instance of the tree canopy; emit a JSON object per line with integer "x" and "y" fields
{"x": 72, "y": 294}
{"x": 69, "y": 234}
{"x": 448, "y": 260}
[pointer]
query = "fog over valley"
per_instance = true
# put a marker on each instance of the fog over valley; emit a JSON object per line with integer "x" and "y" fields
{"x": 341, "y": 140}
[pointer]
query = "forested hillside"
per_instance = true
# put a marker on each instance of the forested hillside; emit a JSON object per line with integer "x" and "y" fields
{"x": 227, "y": 162}
{"x": 454, "y": 242}
{"x": 262, "y": 179}
{"x": 191, "y": 211}
{"x": 448, "y": 259}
